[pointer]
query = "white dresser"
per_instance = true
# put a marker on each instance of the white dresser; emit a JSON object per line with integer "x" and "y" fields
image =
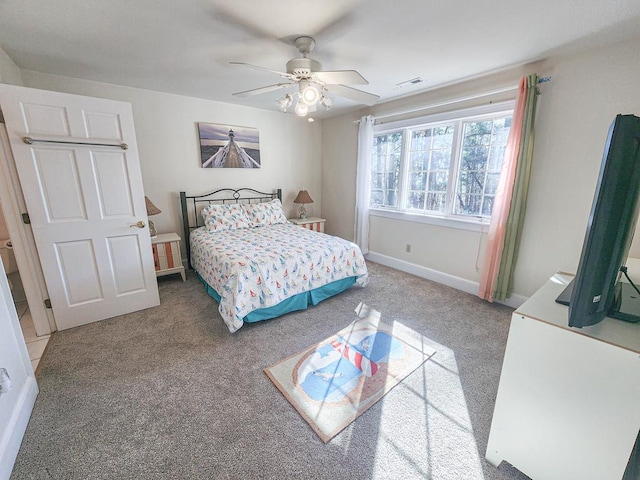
{"x": 568, "y": 403}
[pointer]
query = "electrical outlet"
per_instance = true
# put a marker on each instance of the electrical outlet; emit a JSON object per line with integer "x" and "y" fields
{"x": 408, "y": 248}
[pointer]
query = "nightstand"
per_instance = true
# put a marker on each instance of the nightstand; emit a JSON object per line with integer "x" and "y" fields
{"x": 312, "y": 223}
{"x": 166, "y": 255}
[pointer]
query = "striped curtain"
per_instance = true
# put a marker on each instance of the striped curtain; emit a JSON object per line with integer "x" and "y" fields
{"x": 496, "y": 278}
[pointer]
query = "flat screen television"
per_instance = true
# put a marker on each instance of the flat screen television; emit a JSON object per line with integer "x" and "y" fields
{"x": 597, "y": 290}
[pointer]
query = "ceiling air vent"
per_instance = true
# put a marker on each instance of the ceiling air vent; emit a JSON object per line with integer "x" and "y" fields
{"x": 413, "y": 81}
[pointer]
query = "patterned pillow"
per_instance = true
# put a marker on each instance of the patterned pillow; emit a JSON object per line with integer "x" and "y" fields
{"x": 225, "y": 217}
{"x": 266, "y": 213}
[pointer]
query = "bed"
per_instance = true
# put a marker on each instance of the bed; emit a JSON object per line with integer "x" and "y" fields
{"x": 255, "y": 263}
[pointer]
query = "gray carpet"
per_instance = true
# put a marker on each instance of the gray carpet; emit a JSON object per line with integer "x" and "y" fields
{"x": 169, "y": 393}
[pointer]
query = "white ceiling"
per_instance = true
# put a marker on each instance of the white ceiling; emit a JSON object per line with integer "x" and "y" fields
{"x": 185, "y": 46}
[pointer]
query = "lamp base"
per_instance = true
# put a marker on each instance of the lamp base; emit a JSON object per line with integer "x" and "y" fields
{"x": 152, "y": 230}
{"x": 302, "y": 213}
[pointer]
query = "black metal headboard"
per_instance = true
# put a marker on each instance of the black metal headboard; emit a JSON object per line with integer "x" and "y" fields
{"x": 191, "y": 205}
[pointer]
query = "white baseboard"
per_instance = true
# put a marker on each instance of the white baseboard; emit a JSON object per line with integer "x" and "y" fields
{"x": 10, "y": 443}
{"x": 468, "y": 286}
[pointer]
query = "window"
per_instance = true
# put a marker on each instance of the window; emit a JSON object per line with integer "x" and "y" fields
{"x": 385, "y": 169}
{"x": 446, "y": 166}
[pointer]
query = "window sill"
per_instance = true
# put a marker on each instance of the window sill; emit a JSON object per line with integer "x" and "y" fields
{"x": 459, "y": 223}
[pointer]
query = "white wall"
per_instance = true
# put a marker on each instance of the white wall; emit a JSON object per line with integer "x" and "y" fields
{"x": 465, "y": 243}
{"x": 166, "y": 130}
{"x": 9, "y": 71}
{"x": 574, "y": 113}
{"x": 339, "y": 152}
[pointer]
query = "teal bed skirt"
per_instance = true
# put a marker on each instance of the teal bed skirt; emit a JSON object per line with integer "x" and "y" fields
{"x": 298, "y": 302}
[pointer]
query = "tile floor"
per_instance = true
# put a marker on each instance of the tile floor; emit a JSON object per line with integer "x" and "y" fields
{"x": 35, "y": 345}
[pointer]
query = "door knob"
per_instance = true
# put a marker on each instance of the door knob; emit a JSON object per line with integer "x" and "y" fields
{"x": 139, "y": 224}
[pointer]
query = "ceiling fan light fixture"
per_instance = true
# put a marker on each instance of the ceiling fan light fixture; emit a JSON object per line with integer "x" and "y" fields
{"x": 311, "y": 83}
{"x": 326, "y": 102}
{"x": 308, "y": 93}
{"x": 301, "y": 109}
{"x": 284, "y": 102}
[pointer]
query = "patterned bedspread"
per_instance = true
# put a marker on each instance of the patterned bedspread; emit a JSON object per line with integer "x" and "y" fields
{"x": 254, "y": 268}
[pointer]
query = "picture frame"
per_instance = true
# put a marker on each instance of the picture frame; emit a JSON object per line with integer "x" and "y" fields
{"x": 227, "y": 146}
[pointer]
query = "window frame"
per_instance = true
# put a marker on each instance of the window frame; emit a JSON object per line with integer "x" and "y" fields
{"x": 447, "y": 218}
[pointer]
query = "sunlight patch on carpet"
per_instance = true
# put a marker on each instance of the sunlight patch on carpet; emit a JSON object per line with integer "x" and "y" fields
{"x": 333, "y": 382}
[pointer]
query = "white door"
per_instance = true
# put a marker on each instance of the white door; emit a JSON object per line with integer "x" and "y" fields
{"x": 16, "y": 399}
{"x": 78, "y": 164}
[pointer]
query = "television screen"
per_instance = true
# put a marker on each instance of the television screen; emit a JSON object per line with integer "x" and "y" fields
{"x": 596, "y": 291}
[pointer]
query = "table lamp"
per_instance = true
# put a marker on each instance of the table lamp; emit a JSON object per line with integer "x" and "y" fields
{"x": 302, "y": 198}
{"x": 151, "y": 210}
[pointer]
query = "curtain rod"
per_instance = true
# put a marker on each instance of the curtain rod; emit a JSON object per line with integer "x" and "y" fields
{"x": 451, "y": 102}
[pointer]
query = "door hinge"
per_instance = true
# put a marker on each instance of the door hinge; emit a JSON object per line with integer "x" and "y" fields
{"x": 25, "y": 219}
{"x": 47, "y": 303}
{"x": 1, "y": 116}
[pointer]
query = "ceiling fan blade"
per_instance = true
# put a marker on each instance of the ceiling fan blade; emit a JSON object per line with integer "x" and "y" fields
{"x": 353, "y": 94}
{"x": 282, "y": 74}
{"x": 349, "y": 77}
{"x": 260, "y": 91}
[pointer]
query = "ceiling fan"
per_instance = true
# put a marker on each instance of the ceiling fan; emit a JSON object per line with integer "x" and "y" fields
{"x": 313, "y": 83}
